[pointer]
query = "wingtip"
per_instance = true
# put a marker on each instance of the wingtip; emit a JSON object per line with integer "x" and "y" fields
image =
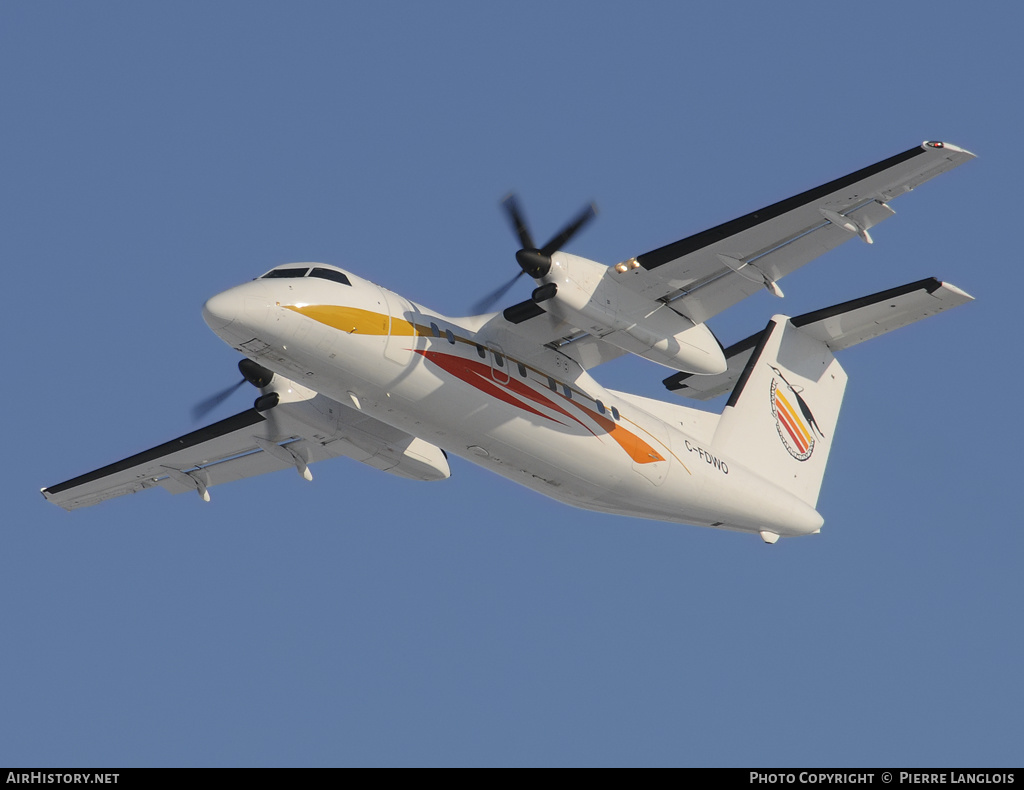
{"x": 958, "y": 292}
{"x": 947, "y": 147}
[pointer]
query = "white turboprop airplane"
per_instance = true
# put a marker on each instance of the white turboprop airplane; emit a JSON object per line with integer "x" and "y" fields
{"x": 347, "y": 368}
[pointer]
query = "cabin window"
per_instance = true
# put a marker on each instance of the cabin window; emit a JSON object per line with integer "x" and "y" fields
{"x": 522, "y": 369}
{"x": 481, "y": 352}
{"x": 276, "y": 273}
{"x": 448, "y": 334}
{"x": 615, "y": 413}
{"x": 435, "y": 329}
{"x": 600, "y": 407}
{"x": 499, "y": 360}
{"x": 566, "y": 391}
{"x": 551, "y": 384}
{"x": 329, "y": 274}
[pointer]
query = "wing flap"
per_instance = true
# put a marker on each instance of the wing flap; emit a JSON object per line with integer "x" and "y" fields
{"x": 802, "y": 250}
{"x": 251, "y": 464}
{"x": 838, "y": 327}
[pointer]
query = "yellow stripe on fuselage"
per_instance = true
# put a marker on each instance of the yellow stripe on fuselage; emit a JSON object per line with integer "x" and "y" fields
{"x": 354, "y": 320}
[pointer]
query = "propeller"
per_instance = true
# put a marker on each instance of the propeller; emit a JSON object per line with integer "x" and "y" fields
{"x": 484, "y": 305}
{"x": 204, "y": 407}
{"x": 252, "y": 372}
{"x": 532, "y": 260}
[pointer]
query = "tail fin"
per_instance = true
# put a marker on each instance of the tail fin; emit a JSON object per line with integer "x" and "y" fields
{"x": 782, "y": 414}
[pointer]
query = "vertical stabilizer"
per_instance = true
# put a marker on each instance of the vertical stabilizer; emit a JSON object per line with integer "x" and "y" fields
{"x": 782, "y": 414}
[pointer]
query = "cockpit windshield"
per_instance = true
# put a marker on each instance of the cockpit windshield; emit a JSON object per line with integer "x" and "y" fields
{"x": 284, "y": 273}
{"x": 319, "y": 271}
{"x": 330, "y": 274}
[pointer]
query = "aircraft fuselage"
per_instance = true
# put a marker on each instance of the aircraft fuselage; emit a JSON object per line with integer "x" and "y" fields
{"x": 528, "y": 413}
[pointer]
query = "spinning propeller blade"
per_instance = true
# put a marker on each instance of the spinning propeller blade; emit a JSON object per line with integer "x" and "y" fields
{"x": 511, "y": 206}
{"x": 204, "y": 407}
{"x": 485, "y": 304}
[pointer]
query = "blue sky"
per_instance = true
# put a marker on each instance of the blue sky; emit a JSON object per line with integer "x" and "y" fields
{"x": 154, "y": 155}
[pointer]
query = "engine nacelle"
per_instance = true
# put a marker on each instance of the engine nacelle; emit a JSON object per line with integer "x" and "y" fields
{"x": 589, "y": 297}
{"x": 694, "y": 349}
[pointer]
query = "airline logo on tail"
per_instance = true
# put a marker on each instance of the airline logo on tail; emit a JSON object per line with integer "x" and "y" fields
{"x": 793, "y": 418}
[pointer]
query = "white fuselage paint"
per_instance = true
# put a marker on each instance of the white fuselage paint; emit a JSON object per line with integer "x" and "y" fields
{"x": 486, "y": 412}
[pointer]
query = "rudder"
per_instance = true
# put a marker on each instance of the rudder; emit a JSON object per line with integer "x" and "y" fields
{"x": 783, "y": 411}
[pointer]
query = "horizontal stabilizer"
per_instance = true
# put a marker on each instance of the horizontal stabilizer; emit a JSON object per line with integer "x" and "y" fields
{"x": 838, "y": 327}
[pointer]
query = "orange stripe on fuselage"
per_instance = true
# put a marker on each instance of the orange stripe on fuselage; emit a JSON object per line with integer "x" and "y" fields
{"x": 635, "y": 447}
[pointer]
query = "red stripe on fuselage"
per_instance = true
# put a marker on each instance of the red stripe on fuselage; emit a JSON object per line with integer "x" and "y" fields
{"x": 478, "y": 375}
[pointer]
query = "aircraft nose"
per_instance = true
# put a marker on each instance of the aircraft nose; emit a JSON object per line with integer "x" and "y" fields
{"x": 220, "y": 310}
